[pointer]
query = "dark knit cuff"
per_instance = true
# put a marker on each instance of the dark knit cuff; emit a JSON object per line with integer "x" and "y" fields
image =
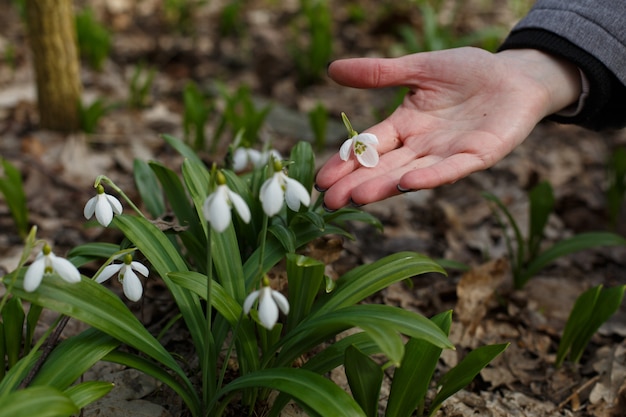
{"x": 605, "y": 107}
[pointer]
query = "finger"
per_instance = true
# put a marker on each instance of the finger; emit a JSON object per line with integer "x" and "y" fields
{"x": 447, "y": 171}
{"x": 375, "y": 72}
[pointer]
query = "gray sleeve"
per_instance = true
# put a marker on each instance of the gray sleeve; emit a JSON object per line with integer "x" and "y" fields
{"x": 592, "y": 35}
{"x": 596, "y": 26}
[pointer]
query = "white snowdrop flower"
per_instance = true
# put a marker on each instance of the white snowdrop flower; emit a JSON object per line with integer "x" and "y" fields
{"x": 270, "y": 302}
{"x": 103, "y": 206}
{"x": 278, "y": 188}
{"x": 364, "y": 147}
{"x": 217, "y": 206}
{"x": 48, "y": 263}
{"x": 244, "y": 157}
{"x": 130, "y": 281}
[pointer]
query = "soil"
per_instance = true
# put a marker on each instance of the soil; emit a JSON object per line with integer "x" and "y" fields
{"x": 453, "y": 222}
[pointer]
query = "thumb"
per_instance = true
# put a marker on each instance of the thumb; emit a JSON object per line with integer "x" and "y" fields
{"x": 375, "y": 72}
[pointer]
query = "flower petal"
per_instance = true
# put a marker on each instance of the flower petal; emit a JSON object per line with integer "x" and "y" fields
{"x": 240, "y": 159}
{"x": 104, "y": 211}
{"x": 90, "y": 207}
{"x": 65, "y": 269}
{"x": 281, "y": 301}
{"x": 216, "y": 209}
{"x": 344, "y": 151}
{"x": 34, "y": 275}
{"x": 368, "y": 138}
{"x": 272, "y": 195}
{"x": 240, "y": 205}
{"x": 108, "y": 272}
{"x": 268, "y": 311}
{"x": 115, "y": 204}
{"x": 368, "y": 158}
{"x": 256, "y": 158}
{"x": 139, "y": 267}
{"x": 131, "y": 285}
{"x": 295, "y": 194}
{"x": 249, "y": 301}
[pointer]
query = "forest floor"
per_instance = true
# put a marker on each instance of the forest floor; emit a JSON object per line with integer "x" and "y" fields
{"x": 453, "y": 222}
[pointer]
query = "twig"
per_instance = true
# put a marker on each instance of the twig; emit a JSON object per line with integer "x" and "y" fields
{"x": 47, "y": 349}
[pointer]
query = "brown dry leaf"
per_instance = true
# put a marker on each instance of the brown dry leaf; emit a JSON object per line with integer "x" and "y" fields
{"x": 475, "y": 292}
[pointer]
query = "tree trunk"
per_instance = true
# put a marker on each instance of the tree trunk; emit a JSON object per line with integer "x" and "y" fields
{"x": 52, "y": 34}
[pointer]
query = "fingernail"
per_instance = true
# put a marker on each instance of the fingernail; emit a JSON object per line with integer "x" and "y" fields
{"x": 404, "y": 190}
{"x": 328, "y": 210}
{"x": 319, "y": 189}
{"x": 356, "y": 205}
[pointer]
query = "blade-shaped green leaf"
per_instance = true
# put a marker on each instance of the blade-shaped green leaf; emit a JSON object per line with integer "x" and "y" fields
{"x": 381, "y": 322}
{"x": 149, "y": 188}
{"x": 12, "y": 188}
{"x": 607, "y": 303}
{"x": 541, "y": 205}
{"x": 3, "y": 365}
{"x": 13, "y": 318}
{"x": 88, "y": 252}
{"x": 578, "y": 318}
{"x": 284, "y": 235}
{"x": 182, "y": 148}
{"x": 365, "y": 378}
{"x": 197, "y": 179}
{"x": 306, "y": 276}
{"x": 303, "y": 167}
{"x": 87, "y": 392}
{"x": 570, "y": 245}
{"x": 462, "y": 375}
{"x": 37, "y": 401}
{"x": 412, "y": 378}
{"x": 316, "y": 392}
{"x": 82, "y": 351}
{"x": 98, "y": 307}
{"x": 363, "y": 281}
{"x": 165, "y": 259}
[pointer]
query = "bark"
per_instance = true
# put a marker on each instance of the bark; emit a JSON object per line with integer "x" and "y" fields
{"x": 52, "y": 34}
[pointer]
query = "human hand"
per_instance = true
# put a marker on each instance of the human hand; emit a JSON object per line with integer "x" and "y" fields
{"x": 466, "y": 110}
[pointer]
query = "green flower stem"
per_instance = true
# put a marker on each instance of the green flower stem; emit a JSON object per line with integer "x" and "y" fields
{"x": 104, "y": 178}
{"x": 262, "y": 248}
{"x": 208, "y": 382}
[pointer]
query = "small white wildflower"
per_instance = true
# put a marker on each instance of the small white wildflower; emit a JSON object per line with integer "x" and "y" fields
{"x": 216, "y": 207}
{"x": 103, "y": 206}
{"x": 278, "y": 188}
{"x": 131, "y": 283}
{"x": 270, "y": 302}
{"x": 48, "y": 263}
{"x": 364, "y": 147}
{"x": 244, "y": 157}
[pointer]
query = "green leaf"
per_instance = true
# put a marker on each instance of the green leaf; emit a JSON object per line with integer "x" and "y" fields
{"x": 149, "y": 188}
{"x": 80, "y": 255}
{"x": 365, "y": 378}
{"x": 3, "y": 366}
{"x": 284, "y": 235}
{"x": 197, "y": 179}
{"x": 82, "y": 351}
{"x": 308, "y": 388}
{"x": 383, "y": 323}
{"x": 13, "y": 318}
{"x": 462, "y": 375}
{"x": 306, "y": 276}
{"x": 227, "y": 262}
{"x": 182, "y": 148}
{"x": 185, "y": 392}
{"x": 363, "y": 281}
{"x": 98, "y": 307}
{"x": 541, "y": 205}
{"x": 303, "y": 167}
{"x": 13, "y": 190}
{"x": 412, "y": 378}
{"x": 592, "y": 308}
{"x": 607, "y": 303}
{"x": 165, "y": 259}
{"x": 568, "y": 246}
{"x": 37, "y": 401}
{"x": 85, "y": 393}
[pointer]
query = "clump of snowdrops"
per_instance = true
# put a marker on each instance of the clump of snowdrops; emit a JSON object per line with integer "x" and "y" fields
{"x": 229, "y": 230}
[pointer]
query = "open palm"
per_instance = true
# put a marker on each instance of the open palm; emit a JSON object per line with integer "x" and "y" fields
{"x": 466, "y": 109}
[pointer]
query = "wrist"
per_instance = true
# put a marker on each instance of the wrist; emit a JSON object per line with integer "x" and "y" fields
{"x": 559, "y": 82}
